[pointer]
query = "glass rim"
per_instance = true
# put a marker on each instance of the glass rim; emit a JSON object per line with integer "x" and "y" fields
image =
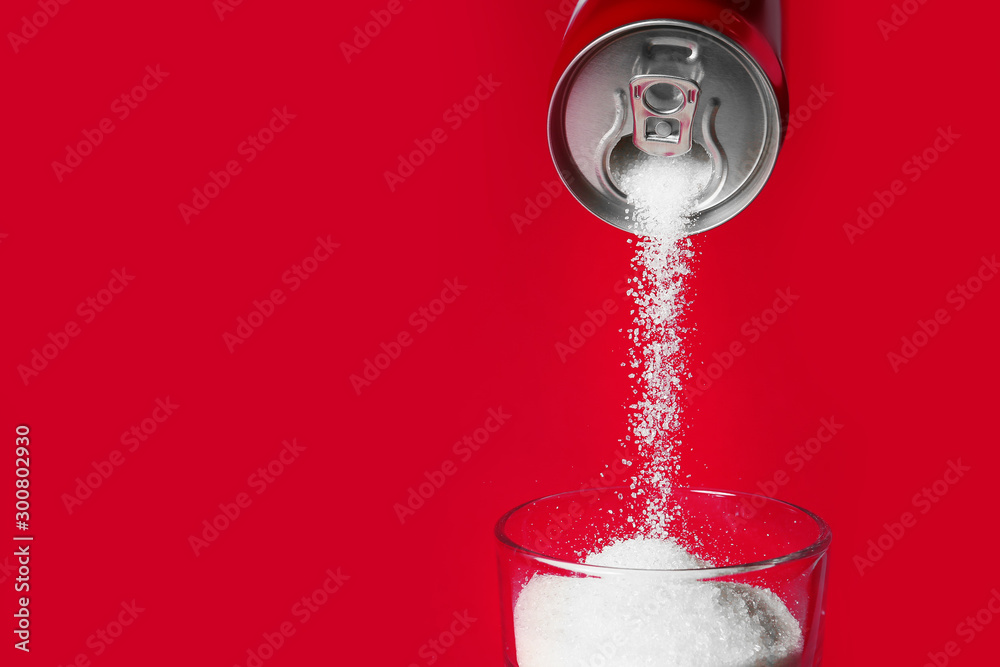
{"x": 818, "y": 547}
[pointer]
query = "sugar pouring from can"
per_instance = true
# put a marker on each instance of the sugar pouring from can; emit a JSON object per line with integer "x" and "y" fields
{"x": 661, "y": 79}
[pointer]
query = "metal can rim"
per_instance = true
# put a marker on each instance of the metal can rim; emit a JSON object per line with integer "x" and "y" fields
{"x": 771, "y": 145}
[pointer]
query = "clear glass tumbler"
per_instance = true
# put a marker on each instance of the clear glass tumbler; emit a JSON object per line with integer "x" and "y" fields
{"x": 759, "y": 604}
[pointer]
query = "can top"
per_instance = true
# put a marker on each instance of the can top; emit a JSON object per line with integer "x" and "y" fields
{"x": 655, "y": 89}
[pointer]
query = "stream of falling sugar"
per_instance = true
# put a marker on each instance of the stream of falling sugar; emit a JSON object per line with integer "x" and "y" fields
{"x": 662, "y": 194}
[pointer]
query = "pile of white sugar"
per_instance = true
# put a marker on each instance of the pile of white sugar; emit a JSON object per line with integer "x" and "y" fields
{"x": 648, "y": 620}
{"x": 662, "y": 194}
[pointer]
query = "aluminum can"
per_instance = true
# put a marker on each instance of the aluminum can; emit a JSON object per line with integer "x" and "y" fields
{"x": 658, "y": 79}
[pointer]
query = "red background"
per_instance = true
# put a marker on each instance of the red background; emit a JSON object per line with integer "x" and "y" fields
{"x": 323, "y": 175}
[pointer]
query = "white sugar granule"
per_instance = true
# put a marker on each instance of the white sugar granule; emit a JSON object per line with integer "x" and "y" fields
{"x": 662, "y": 194}
{"x": 628, "y": 621}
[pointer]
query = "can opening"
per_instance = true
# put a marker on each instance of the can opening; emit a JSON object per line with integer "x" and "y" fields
{"x": 625, "y": 155}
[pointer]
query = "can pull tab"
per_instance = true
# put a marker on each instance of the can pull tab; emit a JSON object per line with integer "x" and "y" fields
{"x": 663, "y": 109}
